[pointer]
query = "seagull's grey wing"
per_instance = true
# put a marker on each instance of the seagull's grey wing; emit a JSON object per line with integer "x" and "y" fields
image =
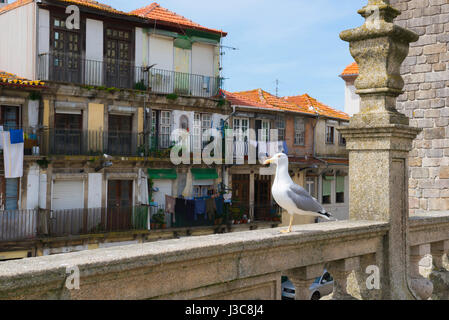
{"x": 303, "y": 200}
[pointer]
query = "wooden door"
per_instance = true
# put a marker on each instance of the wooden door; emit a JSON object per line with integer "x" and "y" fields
{"x": 240, "y": 192}
{"x": 119, "y": 205}
{"x": 118, "y": 58}
{"x": 262, "y": 197}
{"x": 65, "y": 60}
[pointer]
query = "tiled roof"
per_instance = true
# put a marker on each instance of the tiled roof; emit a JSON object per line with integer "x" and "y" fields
{"x": 351, "y": 70}
{"x": 243, "y": 100}
{"x": 15, "y": 4}
{"x": 155, "y": 12}
{"x": 307, "y": 101}
{"x": 263, "y": 99}
{"x": 11, "y": 79}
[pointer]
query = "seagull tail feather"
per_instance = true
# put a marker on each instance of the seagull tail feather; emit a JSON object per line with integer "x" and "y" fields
{"x": 328, "y": 216}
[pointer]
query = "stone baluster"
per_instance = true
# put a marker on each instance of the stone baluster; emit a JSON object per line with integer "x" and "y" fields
{"x": 440, "y": 272}
{"x": 302, "y": 278}
{"x": 379, "y": 138}
{"x": 340, "y": 271}
{"x": 421, "y": 286}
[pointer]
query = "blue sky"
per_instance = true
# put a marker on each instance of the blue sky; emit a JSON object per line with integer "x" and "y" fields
{"x": 294, "y": 41}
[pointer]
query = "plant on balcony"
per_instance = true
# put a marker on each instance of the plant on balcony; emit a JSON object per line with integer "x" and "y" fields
{"x": 159, "y": 218}
{"x": 43, "y": 164}
{"x": 35, "y": 95}
{"x": 172, "y": 96}
{"x": 221, "y": 102}
{"x": 140, "y": 86}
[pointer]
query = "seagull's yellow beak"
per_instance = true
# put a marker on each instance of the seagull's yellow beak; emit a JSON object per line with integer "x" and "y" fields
{"x": 268, "y": 161}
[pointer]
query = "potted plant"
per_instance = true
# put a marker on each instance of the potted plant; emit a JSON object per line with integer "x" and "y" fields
{"x": 159, "y": 219}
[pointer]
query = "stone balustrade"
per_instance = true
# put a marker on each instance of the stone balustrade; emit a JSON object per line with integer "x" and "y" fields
{"x": 246, "y": 265}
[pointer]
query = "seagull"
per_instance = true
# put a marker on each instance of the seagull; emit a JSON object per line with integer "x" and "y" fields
{"x": 291, "y": 197}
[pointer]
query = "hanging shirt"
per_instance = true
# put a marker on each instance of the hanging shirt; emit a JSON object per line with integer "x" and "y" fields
{"x": 190, "y": 210}
{"x": 170, "y": 204}
{"x": 210, "y": 209}
{"x": 16, "y": 136}
{"x": 219, "y": 203}
{"x": 200, "y": 208}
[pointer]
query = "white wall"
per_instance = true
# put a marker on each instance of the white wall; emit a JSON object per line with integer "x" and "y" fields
{"x": 18, "y": 45}
{"x": 352, "y": 100}
{"x": 43, "y": 191}
{"x": 95, "y": 185}
{"x": 161, "y": 52}
{"x": 94, "y": 52}
{"x": 203, "y": 59}
{"x": 32, "y": 201}
{"x": 141, "y": 42}
{"x": 44, "y": 31}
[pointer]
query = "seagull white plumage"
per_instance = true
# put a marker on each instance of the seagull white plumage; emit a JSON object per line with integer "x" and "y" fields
{"x": 291, "y": 197}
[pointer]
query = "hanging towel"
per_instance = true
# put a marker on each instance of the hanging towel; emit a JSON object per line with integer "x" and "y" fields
{"x": 13, "y": 157}
{"x": 200, "y": 208}
{"x": 190, "y": 209}
{"x": 170, "y": 205}
{"x": 16, "y": 136}
{"x": 210, "y": 209}
{"x": 219, "y": 203}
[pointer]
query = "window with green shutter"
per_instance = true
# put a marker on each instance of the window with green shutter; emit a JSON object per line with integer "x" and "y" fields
{"x": 340, "y": 189}
{"x": 327, "y": 190}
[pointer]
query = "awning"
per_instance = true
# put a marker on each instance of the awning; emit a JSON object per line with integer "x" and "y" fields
{"x": 205, "y": 174}
{"x": 162, "y": 174}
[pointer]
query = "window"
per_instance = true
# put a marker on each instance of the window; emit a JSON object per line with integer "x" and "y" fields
{"x": 327, "y": 189}
{"x": 9, "y": 117}
{"x": 10, "y": 193}
{"x": 311, "y": 186}
{"x": 160, "y": 129}
{"x": 342, "y": 140}
{"x": 265, "y": 131}
{"x": 241, "y": 127}
{"x": 340, "y": 189}
{"x": 280, "y": 124}
{"x": 203, "y": 191}
{"x": 201, "y": 123}
{"x": 206, "y": 124}
{"x": 330, "y": 131}
{"x": 299, "y": 132}
{"x": 165, "y": 126}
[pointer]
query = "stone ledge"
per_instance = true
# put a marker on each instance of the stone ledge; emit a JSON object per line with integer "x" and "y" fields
{"x": 239, "y": 254}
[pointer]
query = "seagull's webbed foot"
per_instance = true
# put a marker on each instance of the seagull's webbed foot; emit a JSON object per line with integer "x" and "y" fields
{"x": 286, "y": 231}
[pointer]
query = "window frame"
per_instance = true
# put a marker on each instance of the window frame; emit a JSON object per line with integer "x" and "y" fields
{"x": 300, "y": 132}
{"x": 330, "y": 134}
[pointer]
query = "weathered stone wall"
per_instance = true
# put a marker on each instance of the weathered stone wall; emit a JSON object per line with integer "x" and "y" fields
{"x": 426, "y": 100}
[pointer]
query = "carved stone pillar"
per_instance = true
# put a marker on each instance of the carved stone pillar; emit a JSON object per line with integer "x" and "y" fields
{"x": 302, "y": 279}
{"x": 340, "y": 271}
{"x": 379, "y": 138}
{"x": 440, "y": 272}
{"x": 421, "y": 286}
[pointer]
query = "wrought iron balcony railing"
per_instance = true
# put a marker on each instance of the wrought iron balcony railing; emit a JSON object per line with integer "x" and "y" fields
{"x": 123, "y": 74}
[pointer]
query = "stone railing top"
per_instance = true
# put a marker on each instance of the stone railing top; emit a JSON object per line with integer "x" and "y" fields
{"x": 429, "y": 218}
{"x": 429, "y": 228}
{"x": 37, "y": 271}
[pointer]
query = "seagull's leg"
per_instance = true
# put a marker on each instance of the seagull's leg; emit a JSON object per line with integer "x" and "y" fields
{"x": 290, "y": 227}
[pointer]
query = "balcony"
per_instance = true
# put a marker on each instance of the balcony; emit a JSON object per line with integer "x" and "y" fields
{"x": 124, "y": 75}
{"x": 29, "y": 225}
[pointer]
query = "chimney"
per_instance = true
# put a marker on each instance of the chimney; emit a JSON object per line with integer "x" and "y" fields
{"x": 3, "y": 3}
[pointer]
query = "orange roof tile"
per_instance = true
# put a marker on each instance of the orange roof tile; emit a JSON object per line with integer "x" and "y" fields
{"x": 15, "y": 4}
{"x": 245, "y": 100}
{"x": 11, "y": 79}
{"x": 263, "y": 99}
{"x": 351, "y": 70}
{"x": 307, "y": 101}
{"x": 155, "y": 12}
